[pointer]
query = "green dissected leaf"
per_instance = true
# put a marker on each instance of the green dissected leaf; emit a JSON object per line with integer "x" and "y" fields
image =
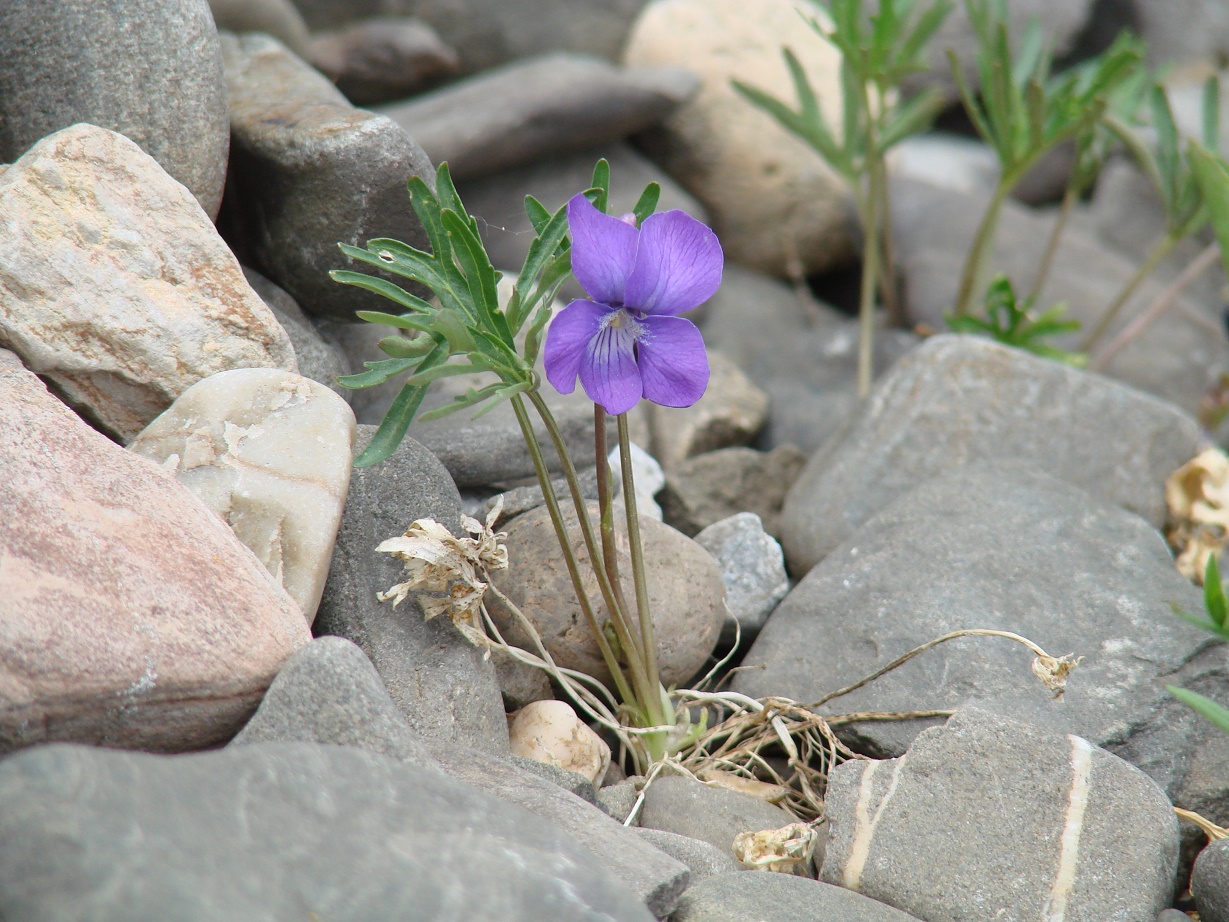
{"x": 543, "y": 249}
{"x": 377, "y": 372}
{"x": 647, "y": 203}
{"x": 425, "y": 204}
{"x": 418, "y": 322}
{"x": 814, "y": 133}
{"x": 808, "y": 105}
{"x": 1011, "y": 322}
{"x": 480, "y": 276}
{"x": 1166, "y": 144}
{"x": 911, "y": 49}
{"x": 539, "y": 217}
{"x": 977, "y": 114}
{"x": 402, "y": 347}
{"x": 400, "y": 259}
{"x": 451, "y": 370}
{"x": 1030, "y": 59}
{"x": 397, "y": 420}
{"x": 502, "y": 395}
{"x": 1204, "y": 624}
{"x": 1212, "y": 177}
{"x": 469, "y": 399}
{"x": 601, "y": 182}
{"x": 853, "y": 118}
{"x": 913, "y": 116}
{"x": 1204, "y": 706}
{"x": 1210, "y": 119}
{"x": 382, "y": 287}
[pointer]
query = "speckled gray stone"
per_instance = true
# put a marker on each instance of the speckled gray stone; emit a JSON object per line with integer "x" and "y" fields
{"x": 760, "y": 896}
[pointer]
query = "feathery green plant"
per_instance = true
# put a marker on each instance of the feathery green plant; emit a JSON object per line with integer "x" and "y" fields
{"x": 1012, "y": 322}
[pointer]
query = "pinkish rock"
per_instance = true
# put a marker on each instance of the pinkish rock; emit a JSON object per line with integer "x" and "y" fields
{"x": 130, "y": 615}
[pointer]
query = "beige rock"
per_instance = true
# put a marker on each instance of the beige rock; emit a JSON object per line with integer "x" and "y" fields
{"x": 115, "y": 285}
{"x": 685, "y": 589}
{"x": 269, "y": 451}
{"x": 550, "y": 732}
{"x": 730, "y": 413}
{"x": 130, "y": 616}
{"x": 775, "y": 204}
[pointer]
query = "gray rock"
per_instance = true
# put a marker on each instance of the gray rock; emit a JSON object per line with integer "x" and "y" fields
{"x": 279, "y": 831}
{"x": 657, "y": 878}
{"x": 572, "y": 782}
{"x": 1177, "y": 358}
{"x": 328, "y": 692}
{"x": 279, "y": 18}
{"x": 957, "y": 399}
{"x": 811, "y": 381}
{"x": 765, "y": 897}
{"x": 317, "y": 359}
{"x": 1070, "y": 831}
{"x": 1001, "y": 546}
{"x": 674, "y": 803}
{"x": 357, "y": 343}
{"x": 309, "y": 171}
{"x": 1210, "y": 882}
{"x": 1204, "y": 787}
{"x": 67, "y": 62}
{"x": 702, "y": 859}
{"x": 718, "y": 484}
{"x": 375, "y": 60}
{"x": 1182, "y": 31}
{"x": 545, "y": 105}
{"x": 498, "y": 200}
{"x": 752, "y": 568}
{"x": 947, "y": 161}
{"x": 618, "y": 799}
{"x": 1173, "y": 915}
{"x": 440, "y": 681}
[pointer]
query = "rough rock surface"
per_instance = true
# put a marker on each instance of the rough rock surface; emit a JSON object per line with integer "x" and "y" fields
{"x": 280, "y": 831}
{"x": 752, "y": 568}
{"x": 387, "y": 57}
{"x": 67, "y": 62}
{"x": 957, "y": 399}
{"x": 1072, "y": 832}
{"x": 130, "y": 615}
{"x": 763, "y": 897}
{"x": 711, "y": 814}
{"x": 1210, "y": 882}
{"x": 90, "y": 220}
{"x": 269, "y": 451}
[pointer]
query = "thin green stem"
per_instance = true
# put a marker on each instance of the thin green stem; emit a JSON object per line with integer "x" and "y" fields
{"x": 648, "y": 697}
{"x": 648, "y": 635}
{"x": 605, "y": 503}
{"x": 870, "y": 256}
{"x": 887, "y": 273}
{"x": 1060, "y": 224}
{"x": 983, "y": 242}
{"x": 565, "y": 545}
{"x": 1147, "y": 267}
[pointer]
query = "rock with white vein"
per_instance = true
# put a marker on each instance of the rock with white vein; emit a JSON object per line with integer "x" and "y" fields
{"x": 1030, "y": 823}
{"x": 270, "y": 452}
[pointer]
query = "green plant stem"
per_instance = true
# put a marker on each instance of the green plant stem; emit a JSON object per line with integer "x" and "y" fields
{"x": 648, "y": 697}
{"x": 610, "y": 555}
{"x": 983, "y": 242}
{"x": 1070, "y": 196}
{"x": 565, "y": 546}
{"x": 1159, "y": 252}
{"x": 648, "y": 635}
{"x": 887, "y": 273}
{"x": 869, "y": 206}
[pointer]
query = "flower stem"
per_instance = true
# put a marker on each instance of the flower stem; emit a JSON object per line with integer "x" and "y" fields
{"x": 1060, "y": 224}
{"x": 870, "y": 256}
{"x": 1159, "y": 252}
{"x": 610, "y": 556}
{"x": 565, "y": 545}
{"x": 647, "y": 633}
{"x": 983, "y": 241}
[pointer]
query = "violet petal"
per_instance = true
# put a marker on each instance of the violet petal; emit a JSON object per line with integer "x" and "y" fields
{"x": 603, "y": 251}
{"x": 609, "y": 372}
{"x": 673, "y": 362}
{"x": 678, "y": 265}
{"x": 567, "y": 339}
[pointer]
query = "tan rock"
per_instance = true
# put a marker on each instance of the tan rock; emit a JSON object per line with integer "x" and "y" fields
{"x": 269, "y": 451}
{"x": 685, "y": 589}
{"x": 550, "y": 732}
{"x": 116, "y": 287}
{"x": 130, "y": 616}
{"x": 730, "y": 413}
{"x": 774, "y": 202}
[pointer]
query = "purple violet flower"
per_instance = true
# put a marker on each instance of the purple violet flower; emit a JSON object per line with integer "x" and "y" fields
{"x": 627, "y": 342}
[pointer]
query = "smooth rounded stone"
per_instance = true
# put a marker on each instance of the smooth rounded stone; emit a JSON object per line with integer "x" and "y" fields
{"x": 68, "y": 61}
{"x": 328, "y": 692}
{"x": 1210, "y": 882}
{"x": 655, "y": 876}
{"x": 1088, "y": 835}
{"x": 269, "y": 451}
{"x": 552, "y": 733}
{"x": 130, "y": 615}
{"x": 309, "y": 171}
{"x": 1177, "y": 358}
{"x": 116, "y": 287}
{"x": 280, "y": 831}
{"x": 674, "y": 803}
{"x": 440, "y": 681}
{"x": 703, "y": 860}
{"x": 946, "y": 161}
{"x": 765, "y": 897}
{"x": 647, "y": 476}
{"x": 317, "y": 359}
{"x": 549, "y": 104}
{"x": 684, "y": 584}
{"x": 958, "y": 399}
{"x": 730, "y": 413}
{"x": 811, "y": 381}
{"x": 753, "y": 313}
{"x": 388, "y": 57}
{"x": 708, "y": 488}
{"x": 498, "y": 200}
{"x": 752, "y": 568}
{"x": 775, "y": 204}
{"x": 998, "y": 545}
{"x": 572, "y": 782}
{"x": 279, "y": 18}
{"x": 1182, "y": 31}
{"x": 619, "y": 799}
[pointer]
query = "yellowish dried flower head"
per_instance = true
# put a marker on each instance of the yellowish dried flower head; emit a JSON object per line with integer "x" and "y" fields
{"x": 1197, "y": 495}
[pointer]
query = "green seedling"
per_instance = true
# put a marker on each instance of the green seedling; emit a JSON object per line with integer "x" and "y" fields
{"x": 1012, "y": 322}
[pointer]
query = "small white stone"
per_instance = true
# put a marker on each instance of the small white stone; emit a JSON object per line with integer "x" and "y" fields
{"x": 550, "y": 732}
{"x": 270, "y": 452}
{"x": 647, "y": 475}
{"x": 752, "y": 568}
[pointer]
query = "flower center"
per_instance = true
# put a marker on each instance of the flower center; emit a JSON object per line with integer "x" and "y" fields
{"x": 621, "y": 319}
